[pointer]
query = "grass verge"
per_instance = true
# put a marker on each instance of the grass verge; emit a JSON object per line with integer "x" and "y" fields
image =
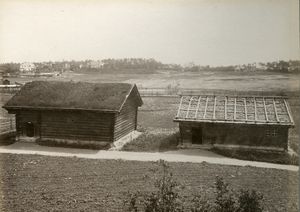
{"x": 75, "y": 144}
{"x": 153, "y": 141}
{"x": 262, "y": 156}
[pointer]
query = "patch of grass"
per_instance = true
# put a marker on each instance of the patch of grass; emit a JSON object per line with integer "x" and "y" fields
{"x": 75, "y": 144}
{"x": 262, "y": 156}
{"x": 153, "y": 141}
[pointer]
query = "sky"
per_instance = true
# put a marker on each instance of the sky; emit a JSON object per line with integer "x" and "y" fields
{"x": 205, "y": 32}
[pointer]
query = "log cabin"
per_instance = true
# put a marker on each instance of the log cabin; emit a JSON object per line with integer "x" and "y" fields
{"x": 75, "y": 112}
{"x": 248, "y": 122}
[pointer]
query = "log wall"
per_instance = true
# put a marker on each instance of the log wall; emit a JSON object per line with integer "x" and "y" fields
{"x": 126, "y": 120}
{"x": 234, "y": 134}
{"x": 79, "y": 125}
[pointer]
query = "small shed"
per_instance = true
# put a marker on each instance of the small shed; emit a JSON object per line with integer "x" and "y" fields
{"x": 253, "y": 122}
{"x": 75, "y": 112}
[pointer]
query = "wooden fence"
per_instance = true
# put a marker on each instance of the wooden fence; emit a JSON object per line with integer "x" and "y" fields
{"x": 9, "y": 88}
{"x": 187, "y": 91}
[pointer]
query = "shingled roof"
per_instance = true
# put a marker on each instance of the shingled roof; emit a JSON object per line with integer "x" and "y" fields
{"x": 108, "y": 97}
{"x": 235, "y": 109}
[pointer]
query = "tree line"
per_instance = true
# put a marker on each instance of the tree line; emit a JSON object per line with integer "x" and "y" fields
{"x": 147, "y": 65}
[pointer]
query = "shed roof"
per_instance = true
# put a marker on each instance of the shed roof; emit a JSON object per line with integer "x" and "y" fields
{"x": 109, "y": 97}
{"x": 266, "y": 110}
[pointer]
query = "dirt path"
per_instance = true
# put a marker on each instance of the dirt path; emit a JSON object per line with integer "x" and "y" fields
{"x": 194, "y": 156}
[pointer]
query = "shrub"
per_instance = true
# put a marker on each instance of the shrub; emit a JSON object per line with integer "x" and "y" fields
{"x": 166, "y": 198}
{"x": 250, "y": 201}
{"x": 201, "y": 204}
{"x": 225, "y": 199}
{"x": 131, "y": 203}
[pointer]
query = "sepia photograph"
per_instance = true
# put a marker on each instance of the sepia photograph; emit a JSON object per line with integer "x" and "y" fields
{"x": 149, "y": 105}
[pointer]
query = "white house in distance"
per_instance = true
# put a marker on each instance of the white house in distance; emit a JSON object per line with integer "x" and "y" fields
{"x": 27, "y": 67}
{"x": 95, "y": 64}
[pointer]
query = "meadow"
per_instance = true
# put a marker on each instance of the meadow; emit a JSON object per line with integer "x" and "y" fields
{"x": 229, "y": 80}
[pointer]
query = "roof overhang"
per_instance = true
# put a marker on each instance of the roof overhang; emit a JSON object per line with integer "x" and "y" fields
{"x": 235, "y": 122}
{"x": 133, "y": 87}
{"x": 57, "y": 109}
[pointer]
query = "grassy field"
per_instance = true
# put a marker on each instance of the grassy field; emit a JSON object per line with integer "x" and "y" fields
{"x": 40, "y": 183}
{"x": 263, "y": 81}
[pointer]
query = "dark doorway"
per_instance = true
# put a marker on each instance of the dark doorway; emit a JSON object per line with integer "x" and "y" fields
{"x": 29, "y": 127}
{"x": 197, "y": 135}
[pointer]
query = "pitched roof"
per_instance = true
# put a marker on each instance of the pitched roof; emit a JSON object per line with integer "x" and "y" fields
{"x": 108, "y": 97}
{"x": 235, "y": 109}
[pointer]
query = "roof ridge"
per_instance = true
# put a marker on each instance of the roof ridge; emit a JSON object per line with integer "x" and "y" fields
{"x": 232, "y": 95}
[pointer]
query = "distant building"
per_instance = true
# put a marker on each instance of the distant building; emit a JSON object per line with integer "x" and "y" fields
{"x": 27, "y": 67}
{"x": 95, "y": 64}
{"x": 75, "y": 113}
{"x": 259, "y": 122}
{"x": 67, "y": 66}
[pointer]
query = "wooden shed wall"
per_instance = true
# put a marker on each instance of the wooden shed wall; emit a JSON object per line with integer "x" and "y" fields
{"x": 126, "y": 120}
{"x": 233, "y": 134}
{"x": 79, "y": 125}
{"x": 22, "y": 117}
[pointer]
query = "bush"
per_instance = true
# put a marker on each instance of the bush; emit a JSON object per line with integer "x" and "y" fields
{"x": 249, "y": 201}
{"x": 166, "y": 198}
{"x": 228, "y": 201}
{"x": 225, "y": 199}
{"x": 201, "y": 204}
{"x": 131, "y": 203}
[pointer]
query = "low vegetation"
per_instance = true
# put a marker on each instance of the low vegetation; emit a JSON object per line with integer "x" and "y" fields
{"x": 166, "y": 198}
{"x": 154, "y": 141}
{"x": 75, "y": 144}
{"x": 262, "y": 156}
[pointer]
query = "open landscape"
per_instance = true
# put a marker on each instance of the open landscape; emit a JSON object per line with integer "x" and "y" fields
{"x": 149, "y": 106}
{"x": 88, "y": 185}
{"x": 157, "y": 113}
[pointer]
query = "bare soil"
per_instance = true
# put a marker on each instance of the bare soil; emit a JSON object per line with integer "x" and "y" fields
{"x": 41, "y": 183}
